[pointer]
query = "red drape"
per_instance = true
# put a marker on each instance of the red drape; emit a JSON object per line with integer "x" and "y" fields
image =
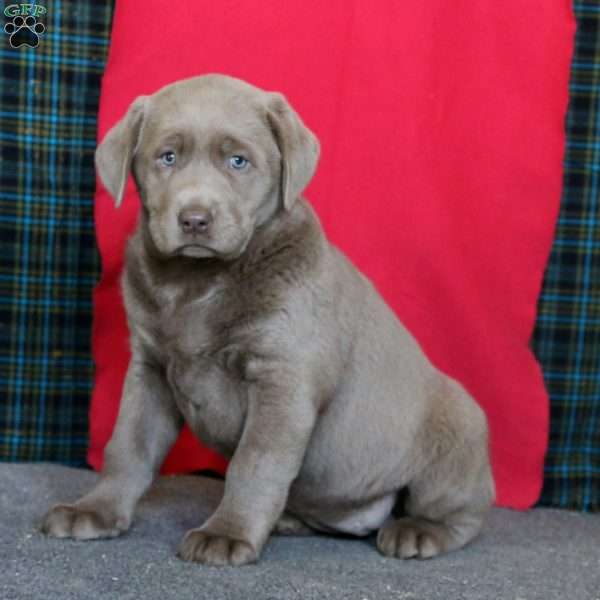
{"x": 441, "y": 126}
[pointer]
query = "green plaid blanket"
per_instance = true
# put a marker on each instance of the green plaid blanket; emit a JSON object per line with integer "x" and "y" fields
{"x": 52, "y": 59}
{"x": 567, "y": 335}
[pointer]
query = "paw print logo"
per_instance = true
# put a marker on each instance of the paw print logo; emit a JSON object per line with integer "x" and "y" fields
{"x": 24, "y": 31}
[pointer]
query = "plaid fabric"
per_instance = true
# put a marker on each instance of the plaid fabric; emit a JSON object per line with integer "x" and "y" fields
{"x": 49, "y": 263}
{"x": 567, "y": 334}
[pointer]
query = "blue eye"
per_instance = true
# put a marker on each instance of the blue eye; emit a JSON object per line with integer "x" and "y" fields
{"x": 238, "y": 162}
{"x": 168, "y": 158}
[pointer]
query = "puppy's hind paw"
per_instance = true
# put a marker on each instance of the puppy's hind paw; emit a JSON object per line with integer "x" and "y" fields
{"x": 411, "y": 538}
{"x": 290, "y": 525}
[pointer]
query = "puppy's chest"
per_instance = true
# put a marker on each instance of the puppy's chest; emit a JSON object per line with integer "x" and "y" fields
{"x": 204, "y": 352}
{"x": 208, "y": 353}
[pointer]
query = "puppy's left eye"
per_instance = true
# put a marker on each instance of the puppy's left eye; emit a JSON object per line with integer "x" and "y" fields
{"x": 168, "y": 158}
{"x": 238, "y": 162}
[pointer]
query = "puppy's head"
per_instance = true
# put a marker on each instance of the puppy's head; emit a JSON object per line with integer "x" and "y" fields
{"x": 213, "y": 158}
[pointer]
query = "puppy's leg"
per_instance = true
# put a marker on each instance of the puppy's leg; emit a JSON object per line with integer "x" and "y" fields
{"x": 447, "y": 501}
{"x": 429, "y": 530}
{"x": 147, "y": 426}
{"x": 276, "y": 432}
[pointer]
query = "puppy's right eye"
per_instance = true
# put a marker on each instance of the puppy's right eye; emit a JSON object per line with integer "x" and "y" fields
{"x": 167, "y": 159}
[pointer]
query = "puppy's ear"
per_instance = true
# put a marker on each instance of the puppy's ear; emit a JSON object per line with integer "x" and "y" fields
{"x": 115, "y": 154}
{"x": 298, "y": 146}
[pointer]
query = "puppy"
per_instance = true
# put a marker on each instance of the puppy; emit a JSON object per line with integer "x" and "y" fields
{"x": 247, "y": 324}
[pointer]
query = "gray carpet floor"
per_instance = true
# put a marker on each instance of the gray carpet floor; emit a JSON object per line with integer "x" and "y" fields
{"x": 539, "y": 555}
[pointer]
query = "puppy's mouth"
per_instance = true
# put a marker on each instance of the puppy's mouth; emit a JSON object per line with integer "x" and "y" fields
{"x": 195, "y": 251}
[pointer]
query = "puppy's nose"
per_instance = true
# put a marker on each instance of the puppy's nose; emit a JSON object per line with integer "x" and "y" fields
{"x": 194, "y": 220}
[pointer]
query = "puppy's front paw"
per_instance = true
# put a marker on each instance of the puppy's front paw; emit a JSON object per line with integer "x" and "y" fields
{"x": 215, "y": 549}
{"x": 71, "y": 521}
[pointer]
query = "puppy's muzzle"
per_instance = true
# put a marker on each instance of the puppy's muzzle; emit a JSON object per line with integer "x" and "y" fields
{"x": 195, "y": 221}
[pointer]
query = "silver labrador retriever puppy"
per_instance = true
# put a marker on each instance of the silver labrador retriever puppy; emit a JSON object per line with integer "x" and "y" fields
{"x": 253, "y": 329}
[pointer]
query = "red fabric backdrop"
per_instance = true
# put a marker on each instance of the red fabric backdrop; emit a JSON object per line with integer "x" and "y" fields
{"x": 442, "y": 137}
